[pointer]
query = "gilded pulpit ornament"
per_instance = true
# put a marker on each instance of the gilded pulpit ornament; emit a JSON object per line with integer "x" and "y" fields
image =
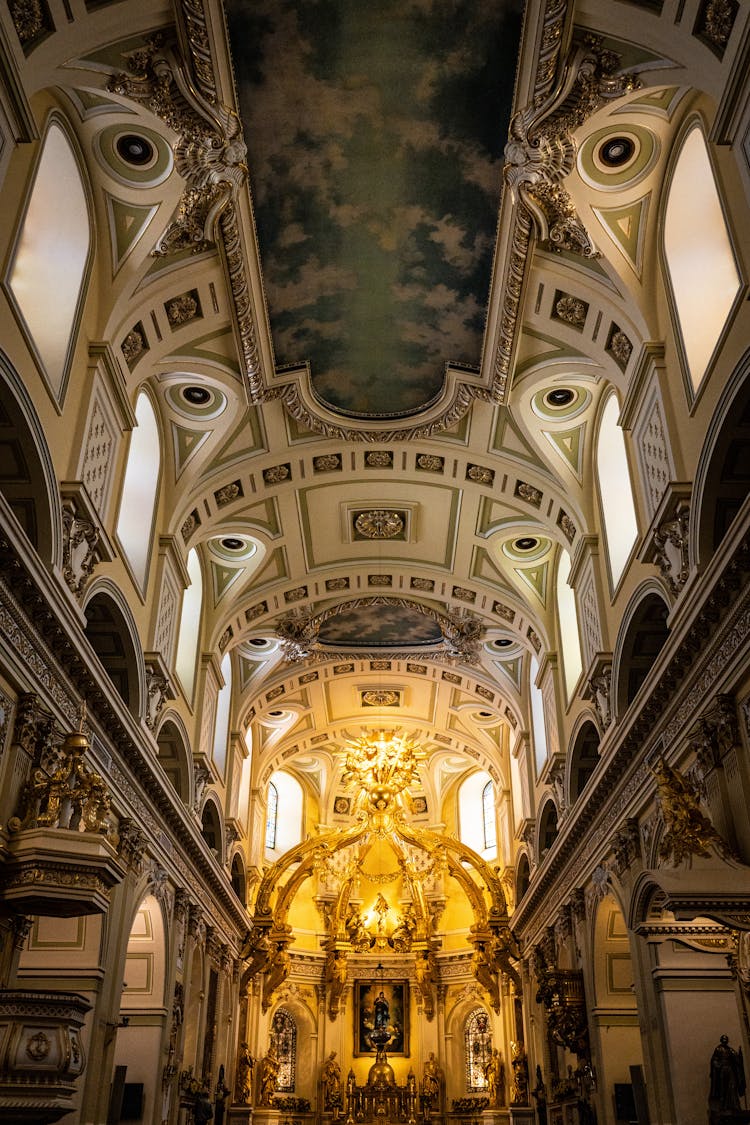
{"x": 379, "y": 524}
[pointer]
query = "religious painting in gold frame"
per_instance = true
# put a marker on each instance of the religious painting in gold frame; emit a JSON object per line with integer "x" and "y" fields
{"x": 381, "y": 1004}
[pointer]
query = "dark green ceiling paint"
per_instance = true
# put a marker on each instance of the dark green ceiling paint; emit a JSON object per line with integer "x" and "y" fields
{"x": 375, "y": 134}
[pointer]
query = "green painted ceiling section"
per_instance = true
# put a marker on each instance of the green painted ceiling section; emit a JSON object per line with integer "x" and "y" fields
{"x": 375, "y": 135}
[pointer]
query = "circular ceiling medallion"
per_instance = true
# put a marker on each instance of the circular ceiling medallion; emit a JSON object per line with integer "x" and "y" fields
{"x": 503, "y": 642}
{"x": 230, "y": 543}
{"x": 196, "y": 396}
{"x": 135, "y": 150}
{"x": 525, "y": 543}
{"x": 379, "y": 524}
{"x": 616, "y": 151}
{"x": 560, "y": 403}
{"x": 615, "y": 158}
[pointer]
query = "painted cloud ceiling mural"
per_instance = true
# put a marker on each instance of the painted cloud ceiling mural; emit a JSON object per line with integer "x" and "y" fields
{"x": 375, "y": 134}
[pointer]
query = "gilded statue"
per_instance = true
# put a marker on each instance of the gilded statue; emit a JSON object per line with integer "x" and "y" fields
{"x": 519, "y": 1094}
{"x": 331, "y": 1082}
{"x": 494, "y": 1073}
{"x": 687, "y": 831}
{"x": 432, "y": 1081}
{"x": 403, "y": 933}
{"x": 243, "y": 1083}
{"x": 268, "y": 1076}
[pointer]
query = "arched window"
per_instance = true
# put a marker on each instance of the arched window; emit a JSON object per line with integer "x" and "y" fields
{"x": 139, "y": 490}
{"x": 237, "y": 877}
{"x": 478, "y": 832}
{"x": 488, "y": 819}
{"x": 190, "y": 621}
{"x": 523, "y": 878}
{"x": 51, "y": 256}
{"x": 568, "y": 620}
{"x": 700, "y": 261}
{"x": 477, "y": 1049}
{"x": 615, "y": 493}
{"x": 272, "y": 814}
{"x": 284, "y": 1039}
{"x": 223, "y": 715}
{"x": 284, "y": 814}
{"x": 538, "y": 727}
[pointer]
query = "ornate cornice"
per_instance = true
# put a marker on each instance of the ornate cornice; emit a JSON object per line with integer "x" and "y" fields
{"x": 141, "y": 793}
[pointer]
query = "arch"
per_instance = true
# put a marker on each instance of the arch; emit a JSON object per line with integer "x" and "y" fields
{"x": 477, "y": 1049}
{"x": 523, "y": 876}
{"x": 584, "y": 756}
{"x": 174, "y": 755}
{"x": 617, "y": 1025}
{"x": 140, "y": 490}
{"x": 145, "y": 978}
{"x": 477, "y": 792}
{"x": 212, "y": 829}
{"x": 548, "y": 828}
{"x": 700, "y": 262}
{"x": 616, "y": 505}
{"x": 289, "y": 813}
{"x": 52, "y": 254}
{"x": 722, "y": 481}
{"x": 188, "y": 637}
{"x": 643, "y": 635}
{"x": 29, "y": 484}
{"x": 238, "y": 878}
{"x": 112, "y": 634}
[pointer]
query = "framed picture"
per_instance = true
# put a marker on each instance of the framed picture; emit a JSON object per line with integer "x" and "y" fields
{"x": 381, "y": 1004}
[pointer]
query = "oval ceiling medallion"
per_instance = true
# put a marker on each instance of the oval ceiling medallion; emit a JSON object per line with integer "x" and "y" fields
{"x": 560, "y": 403}
{"x": 612, "y": 159}
{"x": 233, "y": 548}
{"x": 142, "y": 159}
{"x": 526, "y": 548}
{"x": 198, "y": 401}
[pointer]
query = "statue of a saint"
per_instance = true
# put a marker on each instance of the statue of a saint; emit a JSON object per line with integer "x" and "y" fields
{"x": 268, "y": 1075}
{"x": 494, "y": 1072}
{"x": 727, "y": 1078}
{"x": 243, "y": 1083}
{"x": 520, "y": 1090}
{"x": 331, "y": 1082}
{"x": 432, "y": 1081}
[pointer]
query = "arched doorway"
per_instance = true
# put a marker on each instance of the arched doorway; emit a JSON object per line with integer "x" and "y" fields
{"x": 142, "y": 1014}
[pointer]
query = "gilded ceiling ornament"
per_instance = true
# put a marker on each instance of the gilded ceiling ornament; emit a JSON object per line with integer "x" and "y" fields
{"x": 181, "y": 310}
{"x": 327, "y": 462}
{"x": 571, "y": 309}
{"x": 227, "y": 494}
{"x": 566, "y": 525}
{"x": 479, "y": 474}
{"x": 379, "y": 459}
{"x": 191, "y": 522}
{"x": 29, "y": 19}
{"x": 528, "y": 493}
{"x": 426, "y": 584}
{"x": 276, "y": 474}
{"x": 620, "y": 347}
{"x": 718, "y": 18}
{"x": 379, "y": 524}
{"x": 381, "y": 698}
{"x": 133, "y": 346}
{"x": 209, "y": 154}
{"x": 430, "y": 463}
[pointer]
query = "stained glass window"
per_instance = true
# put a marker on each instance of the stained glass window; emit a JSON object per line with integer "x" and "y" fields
{"x": 478, "y": 1049}
{"x": 284, "y": 1039}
